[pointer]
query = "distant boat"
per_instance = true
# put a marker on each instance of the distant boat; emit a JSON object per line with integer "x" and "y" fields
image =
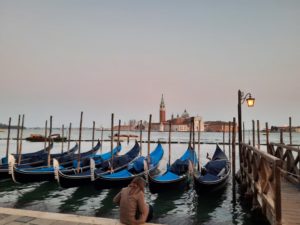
{"x": 41, "y": 138}
{"x": 125, "y": 137}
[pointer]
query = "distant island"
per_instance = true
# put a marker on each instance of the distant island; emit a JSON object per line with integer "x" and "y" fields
{"x": 5, "y": 126}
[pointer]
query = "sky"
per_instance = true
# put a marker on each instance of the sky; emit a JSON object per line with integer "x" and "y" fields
{"x": 61, "y": 57}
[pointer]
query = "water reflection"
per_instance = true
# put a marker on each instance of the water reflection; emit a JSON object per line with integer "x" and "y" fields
{"x": 38, "y": 193}
{"x": 77, "y": 199}
{"x": 10, "y": 192}
{"x": 205, "y": 204}
{"x": 173, "y": 207}
{"x": 165, "y": 203}
{"x": 108, "y": 208}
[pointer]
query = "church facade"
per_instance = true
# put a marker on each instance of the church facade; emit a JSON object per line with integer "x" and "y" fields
{"x": 179, "y": 123}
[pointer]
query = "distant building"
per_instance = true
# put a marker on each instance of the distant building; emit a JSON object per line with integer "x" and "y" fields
{"x": 284, "y": 129}
{"x": 217, "y": 126}
{"x": 123, "y": 127}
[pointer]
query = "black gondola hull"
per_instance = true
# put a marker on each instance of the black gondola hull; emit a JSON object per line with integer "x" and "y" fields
{"x": 103, "y": 183}
{"x": 67, "y": 181}
{"x": 22, "y": 176}
{"x": 4, "y": 174}
{"x": 209, "y": 187}
{"x": 180, "y": 184}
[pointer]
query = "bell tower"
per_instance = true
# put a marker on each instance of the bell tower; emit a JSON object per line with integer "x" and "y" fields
{"x": 162, "y": 110}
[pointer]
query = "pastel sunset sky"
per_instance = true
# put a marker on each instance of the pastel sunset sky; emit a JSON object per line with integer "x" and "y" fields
{"x": 60, "y": 57}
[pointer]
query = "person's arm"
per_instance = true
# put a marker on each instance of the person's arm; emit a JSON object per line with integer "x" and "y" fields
{"x": 143, "y": 208}
{"x": 117, "y": 198}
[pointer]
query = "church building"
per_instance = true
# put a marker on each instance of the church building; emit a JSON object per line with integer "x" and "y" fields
{"x": 179, "y": 123}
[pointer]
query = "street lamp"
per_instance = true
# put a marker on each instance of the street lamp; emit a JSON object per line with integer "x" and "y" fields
{"x": 250, "y": 102}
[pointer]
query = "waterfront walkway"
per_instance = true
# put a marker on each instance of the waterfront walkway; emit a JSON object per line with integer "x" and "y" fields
{"x": 272, "y": 178}
{"x": 290, "y": 200}
{"x": 10, "y": 216}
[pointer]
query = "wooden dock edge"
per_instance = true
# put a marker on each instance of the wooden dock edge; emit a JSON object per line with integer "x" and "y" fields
{"x": 55, "y": 217}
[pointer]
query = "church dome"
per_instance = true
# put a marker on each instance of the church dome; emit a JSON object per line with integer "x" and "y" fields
{"x": 185, "y": 114}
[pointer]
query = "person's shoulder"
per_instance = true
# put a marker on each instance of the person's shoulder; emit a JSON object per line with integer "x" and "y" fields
{"x": 140, "y": 194}
{"x": 125, "y": 189}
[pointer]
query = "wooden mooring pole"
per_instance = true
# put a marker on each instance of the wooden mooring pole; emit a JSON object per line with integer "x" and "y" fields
{"x": 50, "y": 131}
{"x": 69, "y": 135}
{"x": 62, "y": 138}
{"x": 141, "y": 135}
{"x": 112, "y": 139}
{"x": 46, "y": 131}
{"x": 243, "y": 132}
{"x": 258, "y": 134}
{"x": 281, "y": 136}
{"x": 119, "y": 131}
{"x": 233, "y": 158}
{"x": 267, "y": 134}
{"x": 49, "y": 140}
{"x": 93, "y": 134}
{"x": 8, "y": 138}
{"x": 290, "y": 130}
{"x": 229, "y": 141}
{"x": 18, "y": 135}
{"x": 193, "y": 122}
{"x": 190, "y": 141}
{"x": 149, "y": 132}
{"x": 170, "y": 130}
{"x": 101, "y": 140}
{"x": 21, "y": 141}
{"x": 199, "y": 133}
{"x": 79, "y": 139}
{"x": 223, "y": 129}
{"x": 253, "y": 133}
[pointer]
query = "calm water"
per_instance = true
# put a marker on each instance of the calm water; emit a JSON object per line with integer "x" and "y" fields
{"x": 171, "y": 208}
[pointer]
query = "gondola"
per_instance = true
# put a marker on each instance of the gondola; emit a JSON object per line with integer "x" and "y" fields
{"x": 177, "y": 176}
{"x": 118, "y": 164}
{"x": 138, "y": 167}
{"x": 70, "y": 177}
{"x": 33, "y": 159}
{"x": 214, "y": 175}
{"x": 26, "y": 174}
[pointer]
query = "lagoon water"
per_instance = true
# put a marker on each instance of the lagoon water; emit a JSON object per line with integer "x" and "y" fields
{"x": 169, "y": 208}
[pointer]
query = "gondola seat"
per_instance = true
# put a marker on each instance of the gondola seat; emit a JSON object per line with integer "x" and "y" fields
{"x": 215, "y": 167}
{"x": 180, "y": 167}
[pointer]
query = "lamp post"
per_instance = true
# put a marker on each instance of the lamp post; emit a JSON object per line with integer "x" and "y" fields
{"x": 250, "y": 102}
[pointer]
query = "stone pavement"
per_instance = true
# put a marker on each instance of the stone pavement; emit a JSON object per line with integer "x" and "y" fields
{"x": 10, "y": 216}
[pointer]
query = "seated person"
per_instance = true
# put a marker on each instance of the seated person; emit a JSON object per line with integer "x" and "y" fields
{"x": 133, "y": 208}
